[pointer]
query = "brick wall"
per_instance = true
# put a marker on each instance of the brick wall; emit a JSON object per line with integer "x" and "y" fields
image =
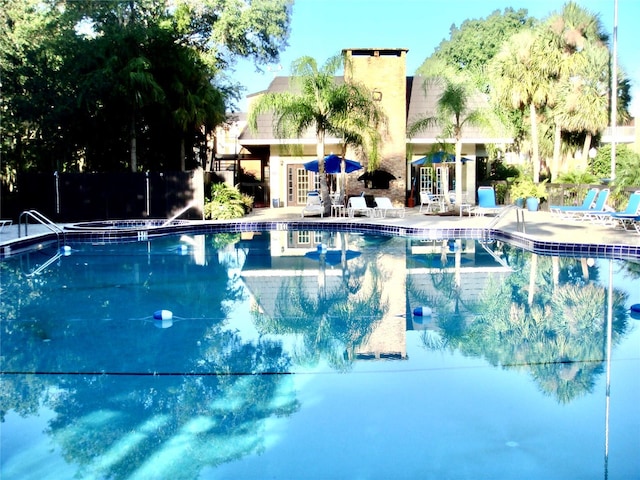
{"x": 383, "y": 71}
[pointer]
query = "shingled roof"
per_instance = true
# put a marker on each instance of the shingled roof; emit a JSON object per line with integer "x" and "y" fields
{"x": 421, "y": 102}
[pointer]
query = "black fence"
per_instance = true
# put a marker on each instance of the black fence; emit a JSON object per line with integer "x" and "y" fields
{"x": 74, "y": 197}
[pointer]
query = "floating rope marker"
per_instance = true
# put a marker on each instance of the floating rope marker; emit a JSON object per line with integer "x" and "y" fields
{"x": 163, "y": 318}
{"x": 163, "y": 315}
{"x": 422, "y": 311}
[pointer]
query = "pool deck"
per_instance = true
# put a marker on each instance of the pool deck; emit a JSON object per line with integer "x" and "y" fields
{"x": 539, "y": 225}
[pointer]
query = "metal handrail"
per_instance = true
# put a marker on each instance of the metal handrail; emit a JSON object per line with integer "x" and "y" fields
{"x": 504, "y": 211}
{"x": 41, "y": 219}
{"x": 45, "y": 264}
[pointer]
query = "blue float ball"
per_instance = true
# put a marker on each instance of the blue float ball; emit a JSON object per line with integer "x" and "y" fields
{"x": 422, "y": 311}
{"x": 163, "y": 315}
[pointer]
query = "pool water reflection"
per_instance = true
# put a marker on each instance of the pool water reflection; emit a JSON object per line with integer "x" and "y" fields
{"x": 281, "y": 359}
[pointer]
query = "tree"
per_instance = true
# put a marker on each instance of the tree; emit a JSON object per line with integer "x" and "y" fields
{"x": 109, "y": 85}
{"x": 454, "y": 110}
{"x": 520, "y": 76}
{"x": 319, "y": 102}
{"x": 576, "y": 43}
{"x": 477, "y": 41}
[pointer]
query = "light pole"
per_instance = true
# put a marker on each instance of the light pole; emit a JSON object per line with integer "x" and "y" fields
{"x": 614, "y": 90}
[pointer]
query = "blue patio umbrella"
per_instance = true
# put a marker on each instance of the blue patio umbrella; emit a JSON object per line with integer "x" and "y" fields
{"x": 332, "y": 165}
{"x": 438, "y": 157}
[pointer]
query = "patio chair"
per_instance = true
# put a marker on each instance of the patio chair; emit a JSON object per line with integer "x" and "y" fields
{"x": 358, "y": 205}
{"x": 314, "y": 205}
{"x": 5, "y": 223}
{"x": 486, "y": 203}
{"x": 597, "y": 208}
{"x": 384, "y": 206}
{"x": 625, "y": 218}
{"x": 429, "y": 202}
{"x": 564, "y": 211}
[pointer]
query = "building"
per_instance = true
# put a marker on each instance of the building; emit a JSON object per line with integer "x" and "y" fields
{"x": 278, "y": 163}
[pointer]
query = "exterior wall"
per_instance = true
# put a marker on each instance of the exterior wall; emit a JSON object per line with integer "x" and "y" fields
{"x": 383, "y": 71}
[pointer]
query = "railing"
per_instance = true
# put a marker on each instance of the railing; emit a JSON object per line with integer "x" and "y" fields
{"x": 24, "y": 217}
{"x": 191, "y": 204}
{"x": 42, "y": 267}
{"x": 519, "y": 217}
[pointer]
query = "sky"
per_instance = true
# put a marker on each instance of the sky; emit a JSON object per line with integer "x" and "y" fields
{"x": 323, "y": 28}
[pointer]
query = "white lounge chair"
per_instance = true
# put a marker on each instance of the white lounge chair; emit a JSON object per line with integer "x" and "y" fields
{"x": 429, "y": 202}
{"x": 314, "y": 205}
{"x": 384, "y": 206}
{"x": 358, "y": 205}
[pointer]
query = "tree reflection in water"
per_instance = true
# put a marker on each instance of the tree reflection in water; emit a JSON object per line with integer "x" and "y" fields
{"x": 331, "y": 322}
{"x": 130, "y": 399}
{"x": 558, "y": 338}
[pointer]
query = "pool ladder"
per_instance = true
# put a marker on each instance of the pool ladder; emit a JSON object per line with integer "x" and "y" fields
{"x": 520, "y": 226}
{"x": 40, "y": 218}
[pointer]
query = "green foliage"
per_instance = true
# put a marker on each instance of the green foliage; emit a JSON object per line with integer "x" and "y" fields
{"x": 501, "y": 192}
{"x": 580, "y": 177}
{"x": 140, "y": 84}
{"x": 502, "y": 171}
{"x": 627, "y": 165}
{"x": 476, "y": 42}
{"x": 226, "y": 202}
{"x": 524, "y": 187}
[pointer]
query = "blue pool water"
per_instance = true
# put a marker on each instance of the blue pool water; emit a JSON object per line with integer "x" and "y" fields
{"x": 276, "y": 359}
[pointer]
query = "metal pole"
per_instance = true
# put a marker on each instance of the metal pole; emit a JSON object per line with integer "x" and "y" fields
{"x": 614, "y": 90}
{"x": 608, "y": 364}
{"x": 57, "y": 180}
{"x": 147, "y": 194}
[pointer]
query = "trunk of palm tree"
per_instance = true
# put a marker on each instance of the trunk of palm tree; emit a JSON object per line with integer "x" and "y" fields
{"x": 532, "y": 277}
{"x": 324, "y": 190}
{"x": 585, "y": 148}
{"x": 557, "y": 142}
{"x": 133, "y": 144}
{"x": 458, "y": 173}
{"x": 342, "y": 184}
{"x": 535, "y": 157}
{"x": 182, "y": 155}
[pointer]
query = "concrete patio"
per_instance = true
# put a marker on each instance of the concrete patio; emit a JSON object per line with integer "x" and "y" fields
{"x": 539, "y": 225}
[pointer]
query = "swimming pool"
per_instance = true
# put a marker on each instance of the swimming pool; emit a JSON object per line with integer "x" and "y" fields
{"x": 258, "y": 354}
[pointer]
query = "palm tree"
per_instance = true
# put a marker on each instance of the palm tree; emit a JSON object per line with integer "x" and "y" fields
{"x": 453, "y": 112}
{"x": 520, "y": 74}
{"x": 577, "y": 48}
{"x": 319, "y": 102}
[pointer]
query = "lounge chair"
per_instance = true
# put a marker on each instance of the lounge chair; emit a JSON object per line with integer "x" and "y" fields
{"x": 564, "y": 211}
{"x": 314, "y": 205}
{"x": 597, "y": 208}
{"x": 5, "y": 223}
{"x": 384, "y": 206}
{"x": 429, "y": 202}
{"x": 358, "y": 205}
{"x": 625, "y": 218}
{"x": 486, "y": 203}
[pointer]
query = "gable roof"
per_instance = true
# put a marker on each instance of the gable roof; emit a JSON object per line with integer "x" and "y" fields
{"x": 421, "y": 102}
{"x": 265, "y": 133}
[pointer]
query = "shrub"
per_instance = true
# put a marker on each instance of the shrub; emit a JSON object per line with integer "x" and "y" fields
{"x": 226, "y": 203}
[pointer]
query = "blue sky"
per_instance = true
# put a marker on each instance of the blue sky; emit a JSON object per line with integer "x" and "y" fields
{"x": 322, "y": 28}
